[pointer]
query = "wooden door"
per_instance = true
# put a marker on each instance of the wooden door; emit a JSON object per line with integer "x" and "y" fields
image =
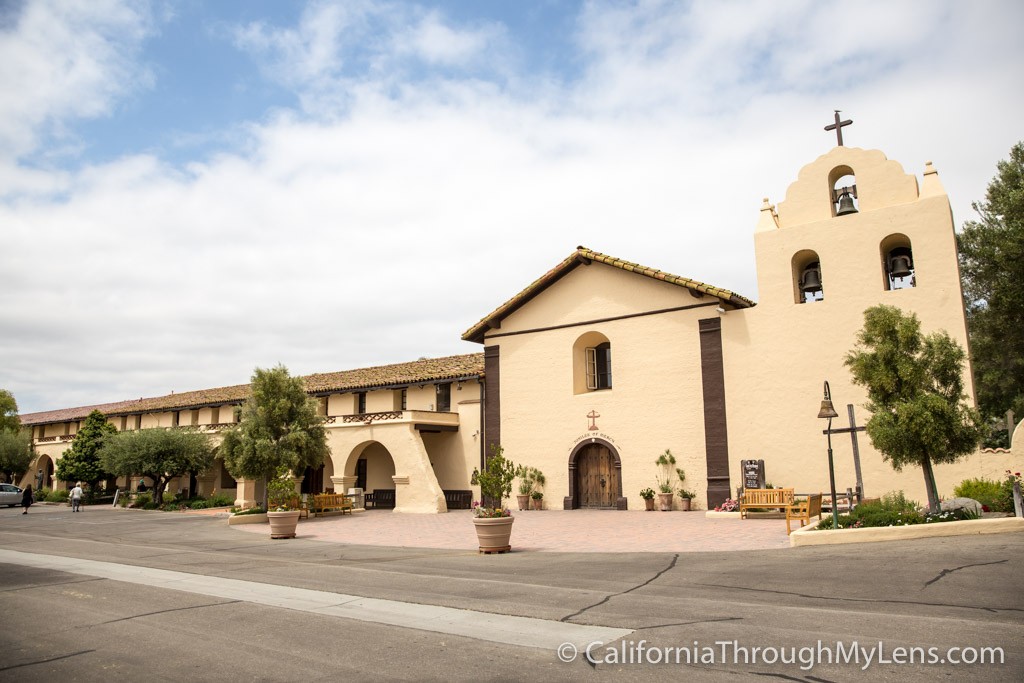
{"x": 597, "y": 477}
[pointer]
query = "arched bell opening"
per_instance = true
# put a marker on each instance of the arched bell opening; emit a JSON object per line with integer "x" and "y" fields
{"x": 807, "y": 281}
{"x": 843, "y": 187}
{"x": 898, "y": 267}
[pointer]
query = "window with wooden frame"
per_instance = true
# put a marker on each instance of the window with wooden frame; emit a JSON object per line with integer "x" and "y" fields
{"x": 360, "y": 402}
{"x": 444, "y": 398}
{"x": 599, "y": 366}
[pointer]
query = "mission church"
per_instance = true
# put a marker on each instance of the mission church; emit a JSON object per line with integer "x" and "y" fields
{"x": 600, "y": 365}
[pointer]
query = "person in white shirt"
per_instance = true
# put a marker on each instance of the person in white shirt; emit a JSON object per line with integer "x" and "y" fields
{"x": 76, "y": 497}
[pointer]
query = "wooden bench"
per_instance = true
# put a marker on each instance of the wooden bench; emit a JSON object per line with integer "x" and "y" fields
{"x": 804, "y": 511}
{"x": 380, "y": 498}
{"x": 327, "y": 502}
{"x": 458, "y": 500}
{"x": 765, "y": 498}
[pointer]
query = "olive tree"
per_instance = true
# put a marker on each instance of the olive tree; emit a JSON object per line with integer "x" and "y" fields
{"x": 9, "y": 420}
{"x": 919, "y": 412}
{"x": 278, "y": 430}
{"x": 15, "y": 453}
{"x": 160, "y": 454}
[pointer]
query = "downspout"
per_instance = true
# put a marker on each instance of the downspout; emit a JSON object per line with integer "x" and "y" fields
{"x": 483, "y": 399}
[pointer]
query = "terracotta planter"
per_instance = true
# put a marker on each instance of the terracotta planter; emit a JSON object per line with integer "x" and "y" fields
{"x": 538, "y": 503}
{"x": 684, "y": 504}
{"x": 665, "y": 502}
{"x": 524, "y": 502}
{"x": 649, "y": 504}
{"x": 493, "y": 533}
{"x": 282, "y": 524}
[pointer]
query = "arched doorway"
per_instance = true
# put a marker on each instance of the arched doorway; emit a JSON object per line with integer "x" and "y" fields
{"x": 373, "y": 468}
{"x": 42, "y": 477}
{"x": 595, "y": 476}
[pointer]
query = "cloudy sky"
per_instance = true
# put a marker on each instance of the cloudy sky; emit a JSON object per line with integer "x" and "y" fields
{"x": 191, "y": 189}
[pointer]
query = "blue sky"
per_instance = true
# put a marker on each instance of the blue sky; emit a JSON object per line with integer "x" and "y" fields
{"x": 192, "y": 189}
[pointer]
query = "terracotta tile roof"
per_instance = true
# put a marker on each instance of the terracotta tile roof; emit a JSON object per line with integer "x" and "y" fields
{"x": 425, "y": 370}
{"x": 582, "y": 255}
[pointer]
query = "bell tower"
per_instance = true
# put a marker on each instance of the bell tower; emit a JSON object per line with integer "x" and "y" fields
{"x": 853, "y": 231}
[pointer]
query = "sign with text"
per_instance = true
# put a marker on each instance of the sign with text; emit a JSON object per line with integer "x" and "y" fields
{"x": 753, "y": 473}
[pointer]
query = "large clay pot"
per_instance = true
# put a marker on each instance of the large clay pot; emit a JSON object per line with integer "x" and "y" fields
{"x": 538, "y": 503}
{"x": 524, "y": 502}
{"x": 493, "y": 533}
{"x": 664, "y": 502}
{"x": 684, "y": 504}
{"x": 649, "y": 504}
{"x": 282, "y": 524}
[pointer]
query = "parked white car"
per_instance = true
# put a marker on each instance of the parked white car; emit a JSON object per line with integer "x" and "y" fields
{"x": 10, "y": 495}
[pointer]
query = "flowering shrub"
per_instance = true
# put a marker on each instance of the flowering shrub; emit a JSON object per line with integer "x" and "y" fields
{"x": 480, "y": 510}
{"x": 729, "y": 505}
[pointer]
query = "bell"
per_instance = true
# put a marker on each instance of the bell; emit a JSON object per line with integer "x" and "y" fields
{"x": 827, "y": 410}
{"x": 846, "y": 205}
{"x": 900, "y": 263}
{"x": 811, "y": 279}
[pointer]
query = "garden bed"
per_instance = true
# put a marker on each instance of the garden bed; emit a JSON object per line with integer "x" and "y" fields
{"x": 810, "y": 535}
{"x": 258, "y": 518}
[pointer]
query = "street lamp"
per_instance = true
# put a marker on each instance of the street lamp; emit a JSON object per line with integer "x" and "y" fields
{"x": 827, "y": 411}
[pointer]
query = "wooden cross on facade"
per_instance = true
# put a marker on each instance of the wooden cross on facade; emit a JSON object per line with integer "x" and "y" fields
{"x": 852, "y": 431}
{"x": 838, "y": 127}
{"x": 593, "y": 415}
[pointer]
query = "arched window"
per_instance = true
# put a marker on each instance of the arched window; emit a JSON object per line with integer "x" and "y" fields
{"x": 592, "y": 363}
{"x": 807, "y": 282}
{"x": 898, "y": 262}
{"x": 843, "y": 185}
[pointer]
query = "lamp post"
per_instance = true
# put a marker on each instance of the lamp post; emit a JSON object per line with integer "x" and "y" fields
{"x": 827, "y": 411}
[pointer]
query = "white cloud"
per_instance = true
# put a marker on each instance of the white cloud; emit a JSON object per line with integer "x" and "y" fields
{"x": 390, "y": 213}
{"x": 61, "y": 61}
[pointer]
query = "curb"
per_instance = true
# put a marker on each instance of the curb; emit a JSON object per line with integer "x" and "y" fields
{"x": 808, "y": 535}
{"x": 247, "y": 519}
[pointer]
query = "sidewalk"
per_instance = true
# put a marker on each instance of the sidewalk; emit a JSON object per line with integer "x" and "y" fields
{"x": 578, "y": 531}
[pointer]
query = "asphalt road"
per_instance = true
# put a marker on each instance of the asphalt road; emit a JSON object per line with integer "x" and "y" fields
{"x": 711, "y": 610}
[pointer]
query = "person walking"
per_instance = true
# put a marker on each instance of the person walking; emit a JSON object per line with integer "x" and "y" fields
{"x": 76, "y": 497}
{"x": 26, "y": 498}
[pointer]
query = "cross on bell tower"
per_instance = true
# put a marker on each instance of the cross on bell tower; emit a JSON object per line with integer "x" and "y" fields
{"x": 838, "y": 127}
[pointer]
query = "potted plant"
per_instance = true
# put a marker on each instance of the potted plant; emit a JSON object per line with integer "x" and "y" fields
{"x": 493, "y": 522}
{"x": 538, "y": 500}
{"x": 529, "y": 479}
{"x": 685, "y": 498}
{"x": 665, "y": 484}
{"x": 648, "y": 495}
{"x": 282, "y": 506}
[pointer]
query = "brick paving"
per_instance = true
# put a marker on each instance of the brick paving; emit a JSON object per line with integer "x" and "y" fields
{"x": 586, "y": 531}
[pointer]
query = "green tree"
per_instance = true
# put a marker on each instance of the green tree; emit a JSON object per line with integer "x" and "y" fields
{"x": 15, "y": 453}
{"x": 81, "y": 462}
{"x": 278, "y": 430}
{"x": 160, "y": 454}
{"x": 992, "y": 268}
{"x": 919, "y": 413}
{"x": 9, "y": 420}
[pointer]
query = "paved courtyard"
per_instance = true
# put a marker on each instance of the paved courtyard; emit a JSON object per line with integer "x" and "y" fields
{"x": 587, "y": 531}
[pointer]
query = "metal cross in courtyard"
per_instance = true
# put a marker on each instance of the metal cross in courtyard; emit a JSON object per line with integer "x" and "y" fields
{"x": 593, "y": 415}
{"x": 852, "y": 431}
{"x": 838, "y": 127}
